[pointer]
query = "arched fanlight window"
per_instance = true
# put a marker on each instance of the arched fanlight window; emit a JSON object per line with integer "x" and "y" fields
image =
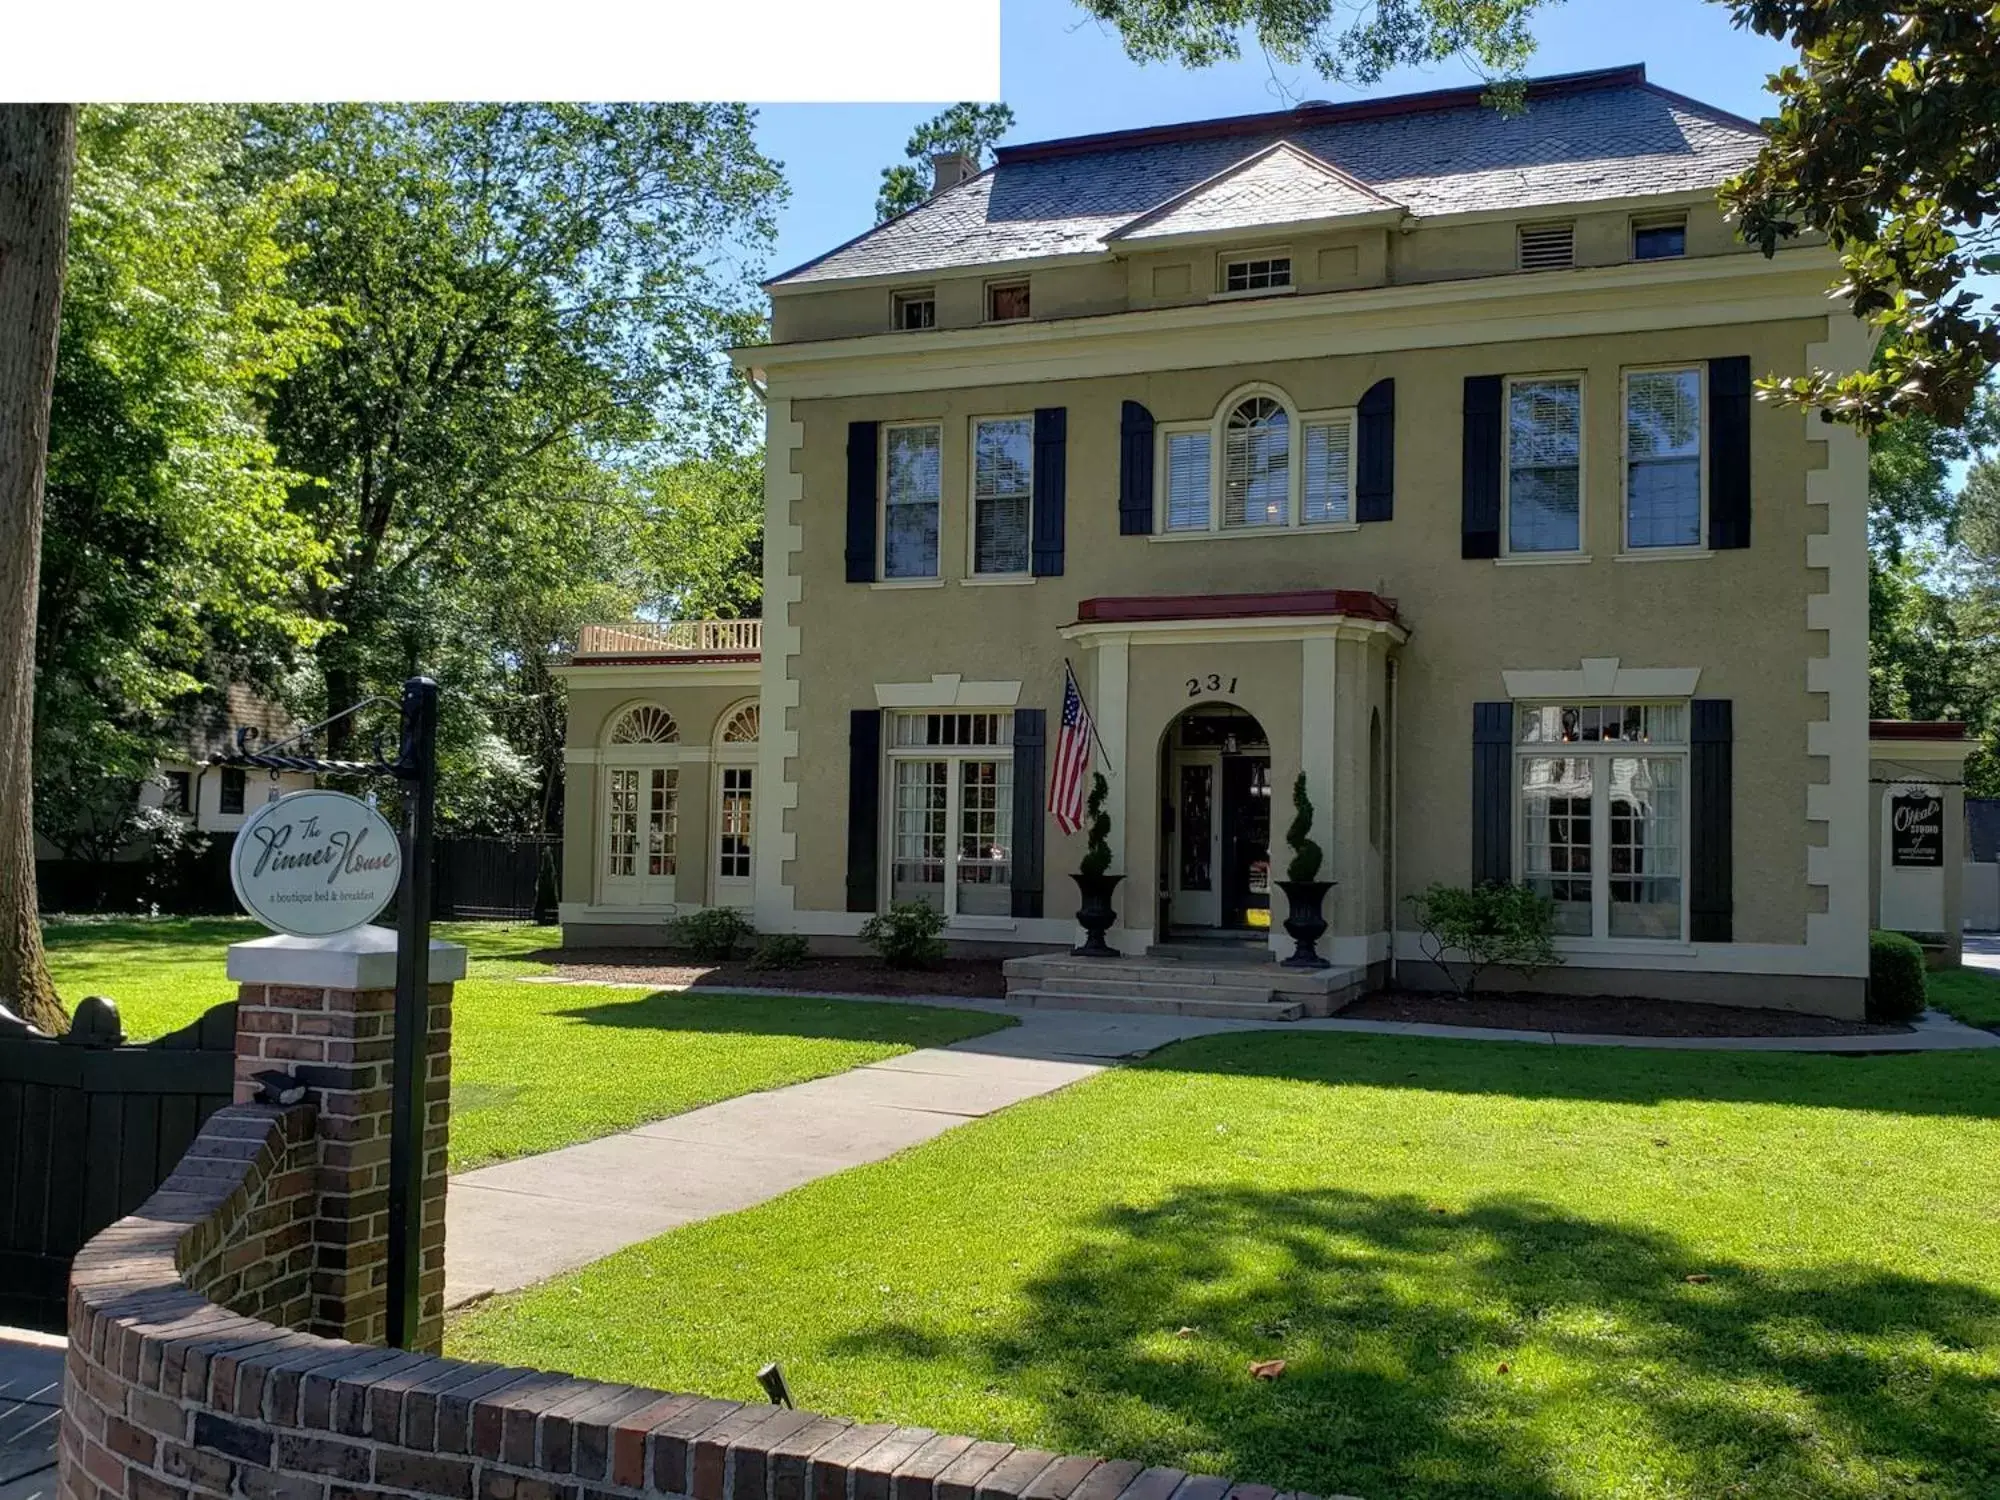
{"x": 742, "y": 726}
{"x": 1257, "y": 464}
{"x": 646, "y": 724}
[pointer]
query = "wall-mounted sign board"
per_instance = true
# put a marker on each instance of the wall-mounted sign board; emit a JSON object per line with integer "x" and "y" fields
{"x": 1916, "y": 830}
{"x": 316, "y": 863}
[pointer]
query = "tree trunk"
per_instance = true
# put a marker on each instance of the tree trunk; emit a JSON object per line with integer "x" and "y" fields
{"x": 37, "y": 156}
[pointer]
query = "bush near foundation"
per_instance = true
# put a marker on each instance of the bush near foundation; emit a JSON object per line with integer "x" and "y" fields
{"x": 1466, "y": 930}
{"x": 714, "y": 935}
{"x": 907, "y": 936}
{"x": 781, "y": 950}
{"x": 1895, "y": 977}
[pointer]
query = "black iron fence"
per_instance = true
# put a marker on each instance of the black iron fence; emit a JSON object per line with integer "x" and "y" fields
{"x": 86, "y": 1134}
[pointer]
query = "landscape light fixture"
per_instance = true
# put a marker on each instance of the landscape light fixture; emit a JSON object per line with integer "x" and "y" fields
{"x": 773, "y": 1380}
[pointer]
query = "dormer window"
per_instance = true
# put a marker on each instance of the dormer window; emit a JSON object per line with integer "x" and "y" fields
{"x": 915, "y": 310}
{"x": 1261, "y": 273}
{"x": 1006, "y": 301}
{"x": 1547, "y": 247}
{"x": 1659, "y": 238}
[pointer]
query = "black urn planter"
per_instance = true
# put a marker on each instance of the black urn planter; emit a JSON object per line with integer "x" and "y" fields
{"x": 1305, "y": 920}
{"x": 1095, "y": 915}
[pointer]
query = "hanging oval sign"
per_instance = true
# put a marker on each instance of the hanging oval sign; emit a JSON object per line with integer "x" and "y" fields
{"x": 315, "y": 863}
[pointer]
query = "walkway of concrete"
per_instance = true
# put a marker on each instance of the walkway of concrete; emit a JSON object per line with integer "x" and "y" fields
{"x": 1982, "y": 949}
{"x": 31, "y": 1372}
{"x": 511, "y": 1225}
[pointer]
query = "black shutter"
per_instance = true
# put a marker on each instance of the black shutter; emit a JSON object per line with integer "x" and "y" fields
{"x": 1375, "y": 458}
{"x": 1492, "y": 791}
{"x": 862, "y": 438}
{"x": 1711, "y": 898}
{"x": 1029, "y": 739}
{"x": 864, "y": 806}
{"x": 1051, "y": 488}
{"x": 1729, "y": 452}
{"x": 1135, "y": 471}
{"x": 1479, "y": 530}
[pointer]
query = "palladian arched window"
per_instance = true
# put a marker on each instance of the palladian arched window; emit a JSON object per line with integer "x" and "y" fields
{"x": 646, "y": 724}
{"x": 1257, "y": 464}
{"x": 742, "y": 727}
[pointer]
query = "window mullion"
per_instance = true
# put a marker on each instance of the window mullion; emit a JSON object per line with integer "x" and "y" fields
{"x": 1600, "y": 846}
{"x": 954, "y": 793}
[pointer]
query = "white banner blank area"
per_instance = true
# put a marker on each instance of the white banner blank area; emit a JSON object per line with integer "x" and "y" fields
{"x": 775, "y": 51}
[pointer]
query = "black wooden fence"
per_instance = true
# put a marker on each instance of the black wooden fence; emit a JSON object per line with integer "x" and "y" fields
{"x": 86, "y": 1134}
{"x": 516, "y": 879}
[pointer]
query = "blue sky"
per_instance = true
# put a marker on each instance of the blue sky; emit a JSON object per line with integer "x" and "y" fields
{"x": 1064, "y": 75}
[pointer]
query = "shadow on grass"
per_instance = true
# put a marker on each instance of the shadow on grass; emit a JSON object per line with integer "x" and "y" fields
{"x": 1395, "y": 1320}
{"x": 1919, "y": 1083}
{"x": 720, "y": 1013}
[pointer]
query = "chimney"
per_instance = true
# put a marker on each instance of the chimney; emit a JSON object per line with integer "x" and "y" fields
{"x": 950, "y": 168}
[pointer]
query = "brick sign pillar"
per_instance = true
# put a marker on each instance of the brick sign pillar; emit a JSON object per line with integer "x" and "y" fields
{"x": 323, "y": 1011}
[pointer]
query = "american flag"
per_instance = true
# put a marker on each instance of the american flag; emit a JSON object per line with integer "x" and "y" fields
{"x": 1072, "y": 757}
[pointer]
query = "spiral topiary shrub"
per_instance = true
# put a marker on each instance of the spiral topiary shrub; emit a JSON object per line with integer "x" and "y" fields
{"x": 1306, "y": 855}
{"x": 1097, "y": 822}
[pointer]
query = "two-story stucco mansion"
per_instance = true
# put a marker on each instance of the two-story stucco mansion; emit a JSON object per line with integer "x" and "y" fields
{"x": 1403, "y": 443}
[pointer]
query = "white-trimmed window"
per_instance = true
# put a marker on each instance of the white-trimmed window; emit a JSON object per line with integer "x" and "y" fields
{"x": 1003, "y": 494}
{"x": 1659, "y": 237}
{"x": 910, "y": 312}
{"x": 1257, "y": 465}
{"x": 951, "y": 811}
{"x": 1666, "y": 479}
{"x": 1602, "y": 812}
{"x": 1006, "y": 301}
{"x": 1544, "y": 463}
{"x": 912, "y": 490}
{"x": 1264, "y": 272}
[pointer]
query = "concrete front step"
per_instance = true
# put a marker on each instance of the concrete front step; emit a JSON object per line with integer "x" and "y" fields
{"x": 1267, "y": 1009}
{"x": 1057, "y": 970}
{"x": 1248, "y": 988}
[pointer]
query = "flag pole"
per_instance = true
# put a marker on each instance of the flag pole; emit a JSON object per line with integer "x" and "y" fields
{"x": 1070, "y": 672}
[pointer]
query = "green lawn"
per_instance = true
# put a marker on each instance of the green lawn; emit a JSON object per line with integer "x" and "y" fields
{"x": 534, "y": 1066}
{"x": 1972, "y": 995}
{"x": 1492, "y": 1271}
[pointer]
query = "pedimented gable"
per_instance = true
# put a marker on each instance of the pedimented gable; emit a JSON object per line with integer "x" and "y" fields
{"x": 1278, "y": 185}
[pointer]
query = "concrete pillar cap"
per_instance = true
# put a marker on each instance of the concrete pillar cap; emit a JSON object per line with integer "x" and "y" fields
{"x": 361, "y": 959}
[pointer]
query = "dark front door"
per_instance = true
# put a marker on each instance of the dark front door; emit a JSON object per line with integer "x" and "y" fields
{"x": 1246, "y": 840}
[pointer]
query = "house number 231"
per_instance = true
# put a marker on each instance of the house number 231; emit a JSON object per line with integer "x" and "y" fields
{"x": 1214, "y": 682}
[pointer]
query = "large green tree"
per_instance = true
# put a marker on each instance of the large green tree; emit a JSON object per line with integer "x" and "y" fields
{"x": 170, "y": 560}
{"x": 529, "y": 305}
{"x": 1887, "y": 141}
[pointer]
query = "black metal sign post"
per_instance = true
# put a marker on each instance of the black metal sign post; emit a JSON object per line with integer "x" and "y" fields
{"x": 415, "y": 766}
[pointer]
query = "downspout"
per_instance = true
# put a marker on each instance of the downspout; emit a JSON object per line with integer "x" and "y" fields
{"x": 1395, "y": 795}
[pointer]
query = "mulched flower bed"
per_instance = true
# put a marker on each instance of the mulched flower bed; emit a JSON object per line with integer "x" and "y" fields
{"x": 1601, "y": 1015}
{"x": 974, "y": 978}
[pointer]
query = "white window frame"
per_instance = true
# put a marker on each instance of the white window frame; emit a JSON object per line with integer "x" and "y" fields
{"x": 1582, "y": 548}
{"x": 1244, "y": 258}
{"x": 956, "y": 756}
{"x": 1700, "y": 543}
{"x": 1001, "y": 284}
{"x": 1600, "y": 753}
{"x": 1217, "y": 428}
{"x": 972, "y": 570}
{"x": 1655, "y": 221}
{"x": 882, "y": 508}
{"x": 900, "y": 299}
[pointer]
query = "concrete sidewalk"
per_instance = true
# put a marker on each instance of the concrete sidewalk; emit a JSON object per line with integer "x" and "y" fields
{"x": 31, "y": 1373}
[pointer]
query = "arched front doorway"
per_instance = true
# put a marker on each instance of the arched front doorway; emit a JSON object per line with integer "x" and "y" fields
{"x": 1215, "y": 823}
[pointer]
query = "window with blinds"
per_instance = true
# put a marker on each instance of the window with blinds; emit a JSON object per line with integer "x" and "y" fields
{"x": 1328, "y": 496}
{"x": 1257, "y": 465}
{"x": 912, "y": 487}
{"x": 1187, "y": 480}
{"x": 1663, "y": 458}
{"x": 1547, "y": 247}
{"x": 1545, "y": 464}
{"x": 1003, "y": 487}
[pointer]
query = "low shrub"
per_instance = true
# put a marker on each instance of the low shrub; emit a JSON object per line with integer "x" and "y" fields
{"x": 781, "y": 950}
{"x": 1895, "y": 977}
{"x": 907, "y": 936}
{"x": 1483, "y": 925}
{"x": 713, "y": 935}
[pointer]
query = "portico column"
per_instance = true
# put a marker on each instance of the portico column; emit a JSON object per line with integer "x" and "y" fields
{"x": 1318, "y": 724}
{"x": 1114, "y": 675}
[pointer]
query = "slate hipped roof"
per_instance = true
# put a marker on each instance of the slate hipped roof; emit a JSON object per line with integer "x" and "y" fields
{"x": 1581, "y": 137}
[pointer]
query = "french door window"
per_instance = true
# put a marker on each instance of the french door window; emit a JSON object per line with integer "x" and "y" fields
{"x": 1603, "y": 816}
{"x": 733, "y": 823}
{"x": 952, "y": 812}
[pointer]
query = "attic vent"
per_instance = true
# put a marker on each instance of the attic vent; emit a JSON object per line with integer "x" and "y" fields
{"x": 1548, "y": 247}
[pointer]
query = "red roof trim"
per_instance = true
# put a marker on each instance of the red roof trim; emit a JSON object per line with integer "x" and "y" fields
{"x": 1916, "y": 729}
{"x": 1307, "y": 115}
{"x": 1353, "y": 604}
{"x": 666, "y": 659}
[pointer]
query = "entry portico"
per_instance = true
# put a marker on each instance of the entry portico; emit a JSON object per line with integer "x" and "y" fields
{"x": 1311, "y": 672}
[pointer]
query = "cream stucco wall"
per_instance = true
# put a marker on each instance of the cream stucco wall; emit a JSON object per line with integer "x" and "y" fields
{"x": 1738, "y": 616}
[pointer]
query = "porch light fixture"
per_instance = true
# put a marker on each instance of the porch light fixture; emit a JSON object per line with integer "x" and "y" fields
{"x": 1230, "y": 744}
{"x": 773, "y": 1380}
